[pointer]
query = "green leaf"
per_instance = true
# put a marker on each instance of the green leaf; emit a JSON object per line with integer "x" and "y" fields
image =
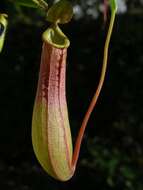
{"x": 27, "y": 3}
{"x": 113, "y": 5}
{"x": 61, "y": 12}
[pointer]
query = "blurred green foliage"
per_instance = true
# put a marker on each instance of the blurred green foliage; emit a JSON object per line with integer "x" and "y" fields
{"x": 27, "y": 3}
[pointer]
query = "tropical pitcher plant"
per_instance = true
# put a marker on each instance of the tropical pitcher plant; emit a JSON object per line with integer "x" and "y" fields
{"x": 51, "y": 135}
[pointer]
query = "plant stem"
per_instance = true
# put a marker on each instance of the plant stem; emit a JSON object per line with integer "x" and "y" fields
{"x": 96, "y": 95}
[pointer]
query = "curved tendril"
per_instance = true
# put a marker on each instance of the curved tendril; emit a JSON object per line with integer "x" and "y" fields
{"x": 97, "y": 93}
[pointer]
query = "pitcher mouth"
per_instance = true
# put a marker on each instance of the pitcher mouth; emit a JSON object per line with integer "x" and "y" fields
{"x": 54, "y": 36}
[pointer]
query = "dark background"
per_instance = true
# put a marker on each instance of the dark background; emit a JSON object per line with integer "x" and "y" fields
{"x": 112, "y": 151}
